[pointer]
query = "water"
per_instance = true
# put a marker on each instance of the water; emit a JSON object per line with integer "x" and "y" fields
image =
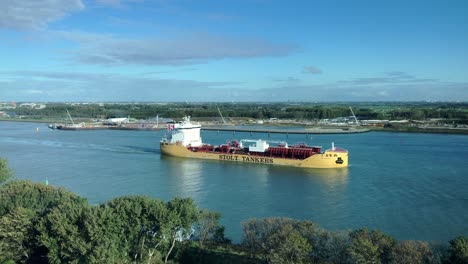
{"x": 411, "y": 186}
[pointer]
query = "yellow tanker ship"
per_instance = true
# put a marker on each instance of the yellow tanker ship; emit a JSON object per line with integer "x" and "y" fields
{"x": 183, "y": 140}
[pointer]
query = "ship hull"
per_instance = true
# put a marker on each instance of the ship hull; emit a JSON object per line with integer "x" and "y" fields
{"x": 329, "y": 159}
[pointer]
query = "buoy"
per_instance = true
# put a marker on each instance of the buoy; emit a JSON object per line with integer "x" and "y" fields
{"x": 37, "y": 129}
{"x": 46, "y": 181}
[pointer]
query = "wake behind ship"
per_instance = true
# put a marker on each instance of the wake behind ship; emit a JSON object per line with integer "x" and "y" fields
{"x": 183, "y": 140}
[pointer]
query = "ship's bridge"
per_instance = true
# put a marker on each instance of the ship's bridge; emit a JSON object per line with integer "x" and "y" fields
{"x": 186, "y": 132}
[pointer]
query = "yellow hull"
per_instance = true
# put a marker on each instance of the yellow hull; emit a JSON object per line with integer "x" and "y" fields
{"x": 329, "y": 159}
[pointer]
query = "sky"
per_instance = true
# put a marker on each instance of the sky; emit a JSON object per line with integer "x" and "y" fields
{"x": 233, "y": 51}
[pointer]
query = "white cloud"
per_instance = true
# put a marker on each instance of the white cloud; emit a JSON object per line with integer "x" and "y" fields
{"x": 35, "y": 14}
{"x": 181, "y": 50}
{"x": 34, "y": 91}
{"x": 311, "y": 70}
{"x": 112, "y": 3}
{"x": 76, "y": 86}
{"x": 116, "y": 3}
{"x": 395, "y": 77}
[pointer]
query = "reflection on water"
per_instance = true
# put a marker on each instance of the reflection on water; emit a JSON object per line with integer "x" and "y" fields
{"x": 192, "y": 171}
{"x": 186, "y": 175}
{"x": 328, "y": 177}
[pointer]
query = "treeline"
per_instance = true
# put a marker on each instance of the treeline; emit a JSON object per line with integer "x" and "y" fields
{"x": 43, "y": 224}
{"x": 394, "y": 111}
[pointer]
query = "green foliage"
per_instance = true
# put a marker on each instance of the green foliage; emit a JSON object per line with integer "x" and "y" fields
{"x": 62, "y": 232}
{"x": 371, "y": 246}
{"x": 287, "y": 245}
{"x": 151, "y": 227}
{"x": 42, "y": 224}
{"x": 197, "y": 255}
{"x": 141, "y": 221}
{"x": 306, "y": 111}
{"x": 37, "y": 197}
{"x": 412, "y": 252}
{"x": 278, "y": 240}
{"x": 78, "y": 233}
{"x": 256, "y": 232}
{"x": 458, "y": 250}
{"x": 5, "y": 172}
{"x": 15, "y": 235}
{"x": 103, "y": 232}
{"x": 209, "y": 228}
{"x": 39, "y": 222}
{"x": 182, "y": 213}
{"x": 329, "y": 247}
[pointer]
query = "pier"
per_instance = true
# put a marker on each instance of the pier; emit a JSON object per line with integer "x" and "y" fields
{"x": 345, "y": 130}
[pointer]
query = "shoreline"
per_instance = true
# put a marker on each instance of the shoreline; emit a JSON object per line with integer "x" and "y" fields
{"x": 279, "y": 128}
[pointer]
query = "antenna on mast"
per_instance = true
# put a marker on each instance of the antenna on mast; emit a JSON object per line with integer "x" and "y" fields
{"x": 224, "y": 121}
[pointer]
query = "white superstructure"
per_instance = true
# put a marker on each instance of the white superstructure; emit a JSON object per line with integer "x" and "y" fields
{"x": 260, "y": 145}
{"x": 185, "y": 133}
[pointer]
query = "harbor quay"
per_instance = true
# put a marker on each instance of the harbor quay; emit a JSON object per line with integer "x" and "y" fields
{"x": 346, "y": 130}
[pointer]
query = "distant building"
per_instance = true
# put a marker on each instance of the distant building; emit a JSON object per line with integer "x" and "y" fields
{"x": 118, "y": 120}
{"x": 8, "y": 105}
{"x": 33, "y": 105}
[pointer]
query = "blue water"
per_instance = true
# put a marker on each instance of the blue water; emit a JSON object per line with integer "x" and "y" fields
{"x": 411, "y": 186}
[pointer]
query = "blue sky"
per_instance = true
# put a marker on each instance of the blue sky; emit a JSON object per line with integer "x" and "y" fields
{"x": 244, "y": 50}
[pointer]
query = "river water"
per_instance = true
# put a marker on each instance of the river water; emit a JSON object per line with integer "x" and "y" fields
{"x": 411, "y": 186}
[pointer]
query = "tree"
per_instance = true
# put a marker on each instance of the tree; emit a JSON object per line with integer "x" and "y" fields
{"x": 287, "y": 245}
{"x": 79, "y": 233}
{"x": 62, "y": 232}
{"x": 5, "y": 172}
{"x": 458, "y": 250}
{"x": 23, "y": 204}
{"x": 363, "y": 251}
{"x": 371, "y": 246}
{"x": 183, "y": 213}
{"x": 256, "y": 232}
{"x": 410, "y": 252}
{"x": 141, "y": 221}
{"x": 150, "y": 226}
{"x": 103, "y": 231}
{"x": 209, "y": 227}
{"x": 278, "y": 240}
{"x": 35, "y": 196}
{"x": 16, "y": 235}
{"x": 329, "y": 247}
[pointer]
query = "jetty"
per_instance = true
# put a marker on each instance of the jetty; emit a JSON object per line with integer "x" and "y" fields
{"x": 305, "y": 131}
